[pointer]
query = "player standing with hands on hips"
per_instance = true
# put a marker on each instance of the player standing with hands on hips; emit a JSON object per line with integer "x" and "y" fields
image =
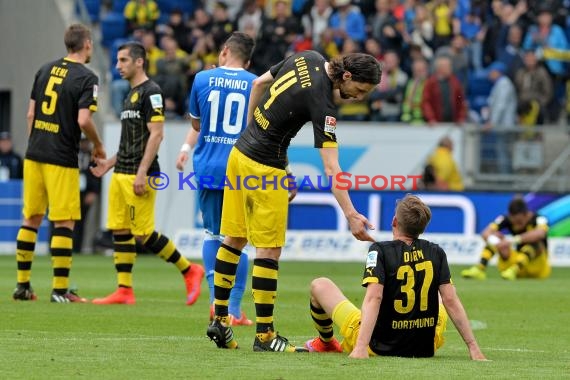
{"x": 131, "y": 199}
{"x": 297, "y": 90}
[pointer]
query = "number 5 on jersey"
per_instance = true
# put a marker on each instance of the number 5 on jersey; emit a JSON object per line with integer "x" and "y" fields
{"x": 49, "y": 108}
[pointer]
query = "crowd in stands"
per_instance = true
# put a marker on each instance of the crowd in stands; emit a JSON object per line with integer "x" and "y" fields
{"x": 436, "y": 54}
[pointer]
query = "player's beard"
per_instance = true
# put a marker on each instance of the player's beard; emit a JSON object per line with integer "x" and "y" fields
{"x": 88, "y": 59}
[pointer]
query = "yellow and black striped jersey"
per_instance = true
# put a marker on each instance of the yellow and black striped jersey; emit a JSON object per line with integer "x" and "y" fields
{"x": 301, "y": 92}
{"x": 144, "y": 104}
{"x": 411, "y": 276}
{"x": 61, "y": 88}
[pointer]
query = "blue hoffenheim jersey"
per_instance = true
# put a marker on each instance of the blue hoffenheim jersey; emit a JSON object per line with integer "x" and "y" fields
{"x": 219, "y": 98}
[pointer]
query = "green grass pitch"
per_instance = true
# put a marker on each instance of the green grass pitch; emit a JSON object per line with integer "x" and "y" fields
{"x": 522, "y": 326}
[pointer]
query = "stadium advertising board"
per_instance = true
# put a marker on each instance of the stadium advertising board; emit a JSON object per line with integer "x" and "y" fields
{"x": 317, "y": 229}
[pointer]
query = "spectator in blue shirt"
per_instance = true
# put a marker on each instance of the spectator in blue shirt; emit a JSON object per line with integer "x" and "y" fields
{"x": 544, "y": 35}
{"x": 348, "y": 22}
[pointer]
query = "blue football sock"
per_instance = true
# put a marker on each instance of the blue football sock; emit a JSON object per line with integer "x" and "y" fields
{"x": 239, "y": 288}
{"x": 209, "y": 251}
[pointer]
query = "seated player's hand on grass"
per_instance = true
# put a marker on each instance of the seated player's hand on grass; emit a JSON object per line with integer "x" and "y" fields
{"x": 475, "y": 352}
{"x": 480, "y": 358}
{"x": 359, "y": 353}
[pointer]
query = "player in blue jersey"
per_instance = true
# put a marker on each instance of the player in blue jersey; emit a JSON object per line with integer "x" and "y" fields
{"x": 218, "y": 111}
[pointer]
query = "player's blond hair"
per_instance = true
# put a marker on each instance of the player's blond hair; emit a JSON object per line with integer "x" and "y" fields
{"x": 413, "y": 216}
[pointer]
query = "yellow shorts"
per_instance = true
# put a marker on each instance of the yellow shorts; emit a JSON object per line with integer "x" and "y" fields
{"x": 127, "y": 211}
{"x": 256, "y": 208}
{"x": 348, "y": 317}
{"x": 53, "y": 186}
{"x": 539, "y": 267}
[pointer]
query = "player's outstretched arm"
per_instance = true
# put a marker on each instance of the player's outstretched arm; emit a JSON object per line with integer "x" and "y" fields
{"x": 459, "y": 317}
{"x": 358, "y": 223}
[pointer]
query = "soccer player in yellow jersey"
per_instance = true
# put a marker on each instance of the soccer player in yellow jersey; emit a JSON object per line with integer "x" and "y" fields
{"x": 64, "y": 96}
{"x": 131, "y": 199}
{"x": 523, "y": 253}
{"x": 295, "y": 91}
{"x": 401, "y": 313}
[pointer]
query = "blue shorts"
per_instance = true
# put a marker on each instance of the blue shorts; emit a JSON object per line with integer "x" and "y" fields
{"x": 210, "y": 202}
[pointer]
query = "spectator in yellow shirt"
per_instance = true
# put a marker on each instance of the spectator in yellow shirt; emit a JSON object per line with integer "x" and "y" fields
{"x": 141, "y": 14}
{"x": 447, "y": 176}
{"x": 153, "y": 52}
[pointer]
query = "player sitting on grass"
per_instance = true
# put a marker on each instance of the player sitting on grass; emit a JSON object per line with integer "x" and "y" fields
{"x": 524, "y": 253}
{"x": 401, "y": 313}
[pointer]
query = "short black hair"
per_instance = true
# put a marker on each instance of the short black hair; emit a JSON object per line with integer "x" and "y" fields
{"x": 517, "y": 206}
{"x": 136, "y": 51}
{"x": 241, "y": 45}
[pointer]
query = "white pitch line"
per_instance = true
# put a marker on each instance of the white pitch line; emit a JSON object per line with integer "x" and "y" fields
{"x": 516, "y": 350}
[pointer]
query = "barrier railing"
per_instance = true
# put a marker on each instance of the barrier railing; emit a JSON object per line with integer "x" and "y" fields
{"x": 518, "y": 159}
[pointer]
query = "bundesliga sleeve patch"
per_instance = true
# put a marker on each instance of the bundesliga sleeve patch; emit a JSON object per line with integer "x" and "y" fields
{"x": 95, "y": 91}
{"x": 156, "y": 101}
{"x": 330, "y": 124}
{"x": 371, "y": 259}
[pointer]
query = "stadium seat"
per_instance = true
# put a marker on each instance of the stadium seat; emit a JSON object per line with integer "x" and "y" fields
{"x": 113, "y": 56}
{"x": 478, "y": 84}
{"x": 113, "y": 26}
{"x": 163, "y": 19}
{"x": 478, "y": 90}
{"x": 119, "y": 6}
{"x": 165, "y": 6}
{"x": 93, "y": 8}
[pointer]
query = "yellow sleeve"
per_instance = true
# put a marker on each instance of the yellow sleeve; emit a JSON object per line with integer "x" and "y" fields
{"x": 129, "y": 11}
{"x": 154, "y": 11}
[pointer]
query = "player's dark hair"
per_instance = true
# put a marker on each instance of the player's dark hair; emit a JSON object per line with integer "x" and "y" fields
{"x": 413, "y": 216}
{"x": 363, "y": 67}
{"x": 136, "y": 51}
{"x": 517, "y": 206}
{"x": 241, "y": 45}
{"x": 75, "y": 36}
